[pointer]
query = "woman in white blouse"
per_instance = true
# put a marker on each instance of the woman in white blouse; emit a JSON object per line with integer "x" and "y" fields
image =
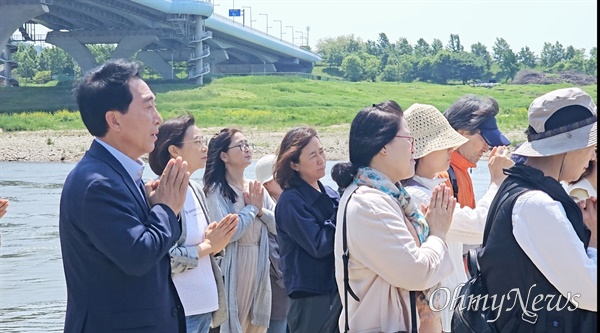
{"x": 196, "y": 275}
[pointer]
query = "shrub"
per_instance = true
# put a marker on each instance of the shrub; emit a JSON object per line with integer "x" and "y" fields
{"x": 42, "y": 77}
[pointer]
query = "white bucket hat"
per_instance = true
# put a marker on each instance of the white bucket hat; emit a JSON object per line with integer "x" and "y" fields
{"x": 264, "y": 168}
{"x": 577, "y": 130}
{"x": 431, "y": 130}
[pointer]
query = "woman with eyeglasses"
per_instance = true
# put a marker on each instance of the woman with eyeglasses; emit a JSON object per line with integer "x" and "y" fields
{"x": 245, "y": 264}
{"x": 393, "y": 249}
{"x": 196, "y": 275}
{"x": 306, "y": 225}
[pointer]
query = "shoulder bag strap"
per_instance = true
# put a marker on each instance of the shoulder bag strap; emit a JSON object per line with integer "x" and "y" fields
{"x": 413, "y": 312}
{"x": 345, "y": 258}
{"x": 453, "y": 181}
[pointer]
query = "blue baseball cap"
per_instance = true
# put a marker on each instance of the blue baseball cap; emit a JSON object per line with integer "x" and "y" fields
{"x": 491, "y": 134}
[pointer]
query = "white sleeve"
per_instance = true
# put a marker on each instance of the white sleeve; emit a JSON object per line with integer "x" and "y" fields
{"x": 543, "y": 231}
{"x": 468, "y": 223}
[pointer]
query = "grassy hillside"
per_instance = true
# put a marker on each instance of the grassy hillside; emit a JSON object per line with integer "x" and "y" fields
{"x": 268, "y": 102}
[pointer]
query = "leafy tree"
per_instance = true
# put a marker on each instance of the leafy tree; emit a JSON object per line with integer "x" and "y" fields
{"x": 552, "y": 54}
{"x": 334, "y": 50}
{"x": 454, "y": 44}
{"x": 371, "y": 66}
{"x": 406, "y": 68}
{"x": 480, "y": 51}
{"x": 422, "y": 48}
{"x": 441, "y": 67}
{"x": 27, "y": 58}
{"x": 591, "y": 64}
{"x": 570, "y": 52}
{"x": 372, "y": 48}
{"x": 391, "y": 72}
{"x": 436, "y": 46}
{"x": 526, "y": 57}
{"x": 576, "y": 63}
{"x": 383, "y": 42}
{"x": 102, "y": 52}
{"x": 385, "y": 48}
{"x": 56, "y": 60}
{"x": 403, "y": 47}
{"x": 467, "y": 66}
{"x": 506, "y": 58}
{"x": 424, "y": 69}
{"x": 353, "y": 68}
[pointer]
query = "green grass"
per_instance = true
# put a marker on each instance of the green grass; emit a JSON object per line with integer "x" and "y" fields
{"x": 268, "y": 102}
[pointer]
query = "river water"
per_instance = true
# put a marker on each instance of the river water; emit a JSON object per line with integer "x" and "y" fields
{"x": 32, "y": 285}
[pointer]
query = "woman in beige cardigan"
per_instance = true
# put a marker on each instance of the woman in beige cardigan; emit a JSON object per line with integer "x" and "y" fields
{"x": 393, "y": 247}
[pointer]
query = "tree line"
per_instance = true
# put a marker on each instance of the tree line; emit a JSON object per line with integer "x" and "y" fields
{"x": 357, "y": 60}
{"x": 41, "y": 65}
{"x": 403, "y": 62}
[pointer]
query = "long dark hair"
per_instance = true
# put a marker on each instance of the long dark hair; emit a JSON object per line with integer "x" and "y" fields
{"x": 214, "y": 173}
{"x": 171, "y": 132}
{"x": 372, "y": 128}
{"x": 289, "y": 151}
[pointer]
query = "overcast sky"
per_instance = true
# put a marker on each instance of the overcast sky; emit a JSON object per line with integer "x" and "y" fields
{"x": 520, "y": 22}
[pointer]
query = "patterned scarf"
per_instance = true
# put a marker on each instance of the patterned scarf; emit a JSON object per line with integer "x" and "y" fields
{"x": 375, "y": 179}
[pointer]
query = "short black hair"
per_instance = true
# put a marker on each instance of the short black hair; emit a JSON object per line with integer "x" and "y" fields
{"x": 469, "y": 111}
{"x": 103, "y": 89}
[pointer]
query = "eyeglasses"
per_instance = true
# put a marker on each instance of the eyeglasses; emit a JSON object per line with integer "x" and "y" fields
{"x": 410, "y": 139}
{"x": 244, "y": 145}
{"x": 199, "y": 141}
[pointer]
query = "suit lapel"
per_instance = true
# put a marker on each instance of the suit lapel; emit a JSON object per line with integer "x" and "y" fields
{"x": 99, "y": 152}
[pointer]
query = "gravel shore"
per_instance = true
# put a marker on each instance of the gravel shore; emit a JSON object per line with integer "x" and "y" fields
{"x": 69, "y": 146}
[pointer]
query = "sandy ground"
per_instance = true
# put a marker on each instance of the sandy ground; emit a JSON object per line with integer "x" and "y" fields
{"x": 69, "y": 146}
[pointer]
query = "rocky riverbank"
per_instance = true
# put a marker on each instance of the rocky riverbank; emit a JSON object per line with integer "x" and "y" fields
{"x": 69, "y": 146}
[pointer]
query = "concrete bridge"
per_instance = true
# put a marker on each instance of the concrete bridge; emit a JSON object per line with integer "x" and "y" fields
{"x": 156, "y": 32}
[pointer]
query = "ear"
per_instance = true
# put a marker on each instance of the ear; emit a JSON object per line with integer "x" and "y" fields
{"x": 294, "y": 166}
{"x": 383, "y": 150}
{"x": 174, "y": 151}
{"x": 224, "y": 157}
{"x": 113, "y": 119}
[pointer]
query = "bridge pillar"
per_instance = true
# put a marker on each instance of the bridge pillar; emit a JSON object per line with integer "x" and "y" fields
{"x": 129, "y": 45}
{"x": 76, "y": 49}
{"x": 198, "y": 50}
{"x": 12, "y": 15}
{"x": 155, "y": 61}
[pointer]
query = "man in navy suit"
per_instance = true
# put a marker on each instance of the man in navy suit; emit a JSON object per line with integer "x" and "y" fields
{"x": 115, "y": 234}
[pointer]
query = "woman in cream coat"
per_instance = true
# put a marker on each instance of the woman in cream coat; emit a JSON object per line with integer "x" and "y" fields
{"x": 393, "y": 248}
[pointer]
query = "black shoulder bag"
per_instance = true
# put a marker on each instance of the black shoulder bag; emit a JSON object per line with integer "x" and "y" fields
{"x": 348, "y": 289}
{"x": 466, "y": 317}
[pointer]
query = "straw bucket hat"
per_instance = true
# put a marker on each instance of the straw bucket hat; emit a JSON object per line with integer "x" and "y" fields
{"x": 264, "y": 168}
{"x": 560, "y": 121}
{"x": 431, "y": 130}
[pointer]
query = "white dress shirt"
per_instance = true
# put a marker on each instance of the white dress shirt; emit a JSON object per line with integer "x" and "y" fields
{"x": 543, "y": 231}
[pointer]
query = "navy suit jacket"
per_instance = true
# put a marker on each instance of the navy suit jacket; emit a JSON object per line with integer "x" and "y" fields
{"x": 115, "y": 252}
